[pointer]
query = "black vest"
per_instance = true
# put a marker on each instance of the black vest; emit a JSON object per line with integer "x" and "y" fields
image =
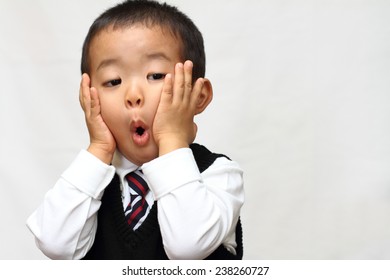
{"x": 115, "y": 240}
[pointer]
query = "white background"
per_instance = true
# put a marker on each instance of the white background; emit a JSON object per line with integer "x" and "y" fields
{"x": 301, "y": 101}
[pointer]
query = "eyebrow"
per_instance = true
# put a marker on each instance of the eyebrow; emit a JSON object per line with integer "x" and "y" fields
{"x": 158, "y": 56}
{"x": 151, "y": 56}
{"x": 107, "y": 62}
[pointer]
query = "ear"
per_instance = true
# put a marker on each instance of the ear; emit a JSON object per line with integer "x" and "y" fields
{"x": 205, "y": 97}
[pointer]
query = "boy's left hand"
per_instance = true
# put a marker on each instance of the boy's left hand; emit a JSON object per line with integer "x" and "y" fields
{"x": 174, "y": 126}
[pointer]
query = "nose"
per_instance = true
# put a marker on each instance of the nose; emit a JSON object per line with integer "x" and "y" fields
{"x": 134, "y": 96}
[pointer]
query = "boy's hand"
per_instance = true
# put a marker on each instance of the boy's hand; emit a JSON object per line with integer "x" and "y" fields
{"x": 174, "y": 126}
{"x": 102, "y": 143}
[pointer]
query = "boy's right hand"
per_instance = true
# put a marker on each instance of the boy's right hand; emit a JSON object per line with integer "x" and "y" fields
{"x": 102, "y": 142}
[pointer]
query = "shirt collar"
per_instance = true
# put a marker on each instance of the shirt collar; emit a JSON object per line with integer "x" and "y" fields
{"x": 123, "y": 166}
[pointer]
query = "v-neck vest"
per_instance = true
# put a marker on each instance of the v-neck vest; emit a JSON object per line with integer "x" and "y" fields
{"x": 115, "y": 240}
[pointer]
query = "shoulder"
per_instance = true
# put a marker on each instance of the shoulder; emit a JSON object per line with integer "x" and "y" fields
{"x": 200, "y": 150}
{"x": 204, "y": 157}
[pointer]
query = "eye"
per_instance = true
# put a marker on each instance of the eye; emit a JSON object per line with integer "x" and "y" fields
{"x": 156, "y": 76}
{"x": 113, "y": 83}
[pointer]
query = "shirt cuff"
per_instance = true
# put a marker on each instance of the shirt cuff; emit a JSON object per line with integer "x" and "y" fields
{"x": 89, "y": 174}
{"x": 171, "y": 171}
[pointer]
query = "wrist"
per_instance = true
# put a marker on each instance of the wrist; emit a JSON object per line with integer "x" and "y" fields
{"x": 169, "y": 145}
{"x": 103, "y": 153}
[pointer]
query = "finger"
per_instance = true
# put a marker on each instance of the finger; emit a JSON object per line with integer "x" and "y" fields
{"x": 178, "y": 83}
{"x": 95, "y": 102}
{"x": 81, "y": 92}
{"x": 196, "y": 91}
{"x": 85, "y": 98}
{"x": 188, "y": 66}
{"x": 167, "y": 90}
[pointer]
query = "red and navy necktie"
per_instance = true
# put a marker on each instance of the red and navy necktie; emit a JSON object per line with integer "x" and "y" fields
{"x": 138, "y": 208}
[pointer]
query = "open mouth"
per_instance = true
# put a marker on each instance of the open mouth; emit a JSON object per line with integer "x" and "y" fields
{"x": 140, "y": 130}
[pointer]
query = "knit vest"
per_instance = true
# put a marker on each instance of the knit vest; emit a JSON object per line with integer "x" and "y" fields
{"x": 115, "y": 240}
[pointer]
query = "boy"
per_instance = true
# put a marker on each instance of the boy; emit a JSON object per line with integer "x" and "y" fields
{"x": 142, "y": 189}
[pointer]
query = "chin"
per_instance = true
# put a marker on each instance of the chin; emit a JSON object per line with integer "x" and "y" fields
{"x": 143, "y": 157}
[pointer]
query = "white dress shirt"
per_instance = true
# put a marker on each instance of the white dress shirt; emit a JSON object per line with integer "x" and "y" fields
{"x": 196, "y": 211}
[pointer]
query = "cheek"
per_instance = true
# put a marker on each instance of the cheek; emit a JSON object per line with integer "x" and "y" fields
{"x": 155, "y": 101}
{"x": 109, "y": 111}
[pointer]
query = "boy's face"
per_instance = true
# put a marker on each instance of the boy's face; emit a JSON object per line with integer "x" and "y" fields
{"x": 128, "y": 66}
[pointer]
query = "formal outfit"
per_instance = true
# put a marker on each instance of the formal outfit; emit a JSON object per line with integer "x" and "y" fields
{"x": 194, "y": 199}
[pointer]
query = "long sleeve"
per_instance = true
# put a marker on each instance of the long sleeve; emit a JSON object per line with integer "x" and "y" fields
{"x": 197, "y": 212}
{"x": 64, "y": 225}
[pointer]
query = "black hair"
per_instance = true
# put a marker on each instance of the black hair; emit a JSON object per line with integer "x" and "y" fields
{"x": 151, "y": 13}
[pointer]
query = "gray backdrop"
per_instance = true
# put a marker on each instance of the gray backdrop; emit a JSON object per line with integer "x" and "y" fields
{"x": 301, "y": 102}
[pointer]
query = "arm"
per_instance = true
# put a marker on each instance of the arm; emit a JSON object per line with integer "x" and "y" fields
{"x": 64, "y": 225}
{"x": 197, "y": 212}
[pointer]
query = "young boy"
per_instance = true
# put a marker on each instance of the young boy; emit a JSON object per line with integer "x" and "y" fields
{"x": 142, "y": 189}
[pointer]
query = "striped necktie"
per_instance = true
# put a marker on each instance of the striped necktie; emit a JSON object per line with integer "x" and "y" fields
{"x": 138, "y": 208}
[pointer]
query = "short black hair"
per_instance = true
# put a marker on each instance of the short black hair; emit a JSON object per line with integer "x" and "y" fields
{"x": 151, "y": 13}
